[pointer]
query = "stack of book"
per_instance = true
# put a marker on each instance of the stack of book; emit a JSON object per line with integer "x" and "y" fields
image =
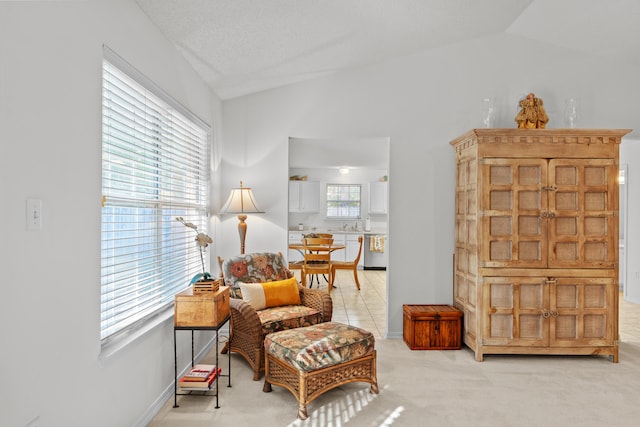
{"x": 200, "y": 377}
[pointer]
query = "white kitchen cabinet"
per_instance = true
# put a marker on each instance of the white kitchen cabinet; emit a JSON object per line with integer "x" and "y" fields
{"x": 353, "y": 246}
{"x": 294, "y": 254}
{"x": 339, "y": 255}
{"x": 378, "y": 193}
{"x": 304, "y": 196}
{"x": 350, "y": 252}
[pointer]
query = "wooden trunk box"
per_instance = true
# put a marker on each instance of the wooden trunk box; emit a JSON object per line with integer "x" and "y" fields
{"x": 432, "y": 327}
{"x": 207, "y": 309}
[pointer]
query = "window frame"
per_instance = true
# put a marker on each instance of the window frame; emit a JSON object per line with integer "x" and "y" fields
{"x": 343, "y": 201}
{"x": 167, "y": 177}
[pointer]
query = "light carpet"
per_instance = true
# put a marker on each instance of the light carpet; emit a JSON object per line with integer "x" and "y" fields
{"x": 435, "y": 388}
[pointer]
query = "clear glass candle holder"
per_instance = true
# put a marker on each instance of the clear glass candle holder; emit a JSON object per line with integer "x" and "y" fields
{"x": 488, "y": 112}
{"x": 571, "y": 113}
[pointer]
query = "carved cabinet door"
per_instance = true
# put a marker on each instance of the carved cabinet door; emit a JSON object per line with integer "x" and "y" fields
{"x": 514, "y": 311}
{"x": 582, "y": 205}
{"x": 580, "y": 311}
{"x": 513, "y": 213}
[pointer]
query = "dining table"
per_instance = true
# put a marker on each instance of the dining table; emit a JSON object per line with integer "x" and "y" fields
{"x": 301, "y": 247}
{"x": 319, "y": 248}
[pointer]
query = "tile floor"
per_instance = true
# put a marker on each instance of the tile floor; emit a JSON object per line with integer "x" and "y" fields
{"x": 366, "y": 308}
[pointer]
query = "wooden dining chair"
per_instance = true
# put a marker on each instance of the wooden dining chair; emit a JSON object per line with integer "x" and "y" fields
{"x": 348, "y": 265}
{"x": 297, "y": 265}
{"x": 317, "y": 260}
{"x": 318, "y": 241}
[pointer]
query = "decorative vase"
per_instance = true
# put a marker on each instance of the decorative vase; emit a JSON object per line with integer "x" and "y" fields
{"x": 488, "y": 112}
{"x": 571, "y": 113}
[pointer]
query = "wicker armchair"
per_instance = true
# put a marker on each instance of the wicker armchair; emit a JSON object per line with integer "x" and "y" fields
{"x": 248, "y": 325}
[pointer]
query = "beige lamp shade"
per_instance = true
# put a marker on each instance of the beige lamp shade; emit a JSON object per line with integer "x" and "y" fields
{"x": 241, "y": 202}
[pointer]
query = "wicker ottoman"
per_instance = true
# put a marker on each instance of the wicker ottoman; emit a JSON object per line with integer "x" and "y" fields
{"x": 311, "y": 360}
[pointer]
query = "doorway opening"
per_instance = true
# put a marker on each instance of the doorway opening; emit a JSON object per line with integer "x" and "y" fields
{"x": 317, "y": 165}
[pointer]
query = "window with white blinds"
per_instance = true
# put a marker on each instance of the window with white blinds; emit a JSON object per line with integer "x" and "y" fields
{"x": 343, "y": 201}
{"x": 155, "y": 167}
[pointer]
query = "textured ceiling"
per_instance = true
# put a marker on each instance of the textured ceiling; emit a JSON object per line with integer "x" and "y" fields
{"x": 244, "y": 46}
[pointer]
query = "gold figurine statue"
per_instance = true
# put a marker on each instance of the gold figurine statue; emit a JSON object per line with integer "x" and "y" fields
{"x": 532, "y": 114}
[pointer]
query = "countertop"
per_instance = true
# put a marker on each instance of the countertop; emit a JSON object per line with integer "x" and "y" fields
{"x": 374, "y": 231}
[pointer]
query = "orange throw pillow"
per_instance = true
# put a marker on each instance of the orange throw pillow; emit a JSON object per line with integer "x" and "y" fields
{"x": 271, "y": 294}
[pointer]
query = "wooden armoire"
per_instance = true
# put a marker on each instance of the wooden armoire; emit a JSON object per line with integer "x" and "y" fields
{"x": 536, "y": 240}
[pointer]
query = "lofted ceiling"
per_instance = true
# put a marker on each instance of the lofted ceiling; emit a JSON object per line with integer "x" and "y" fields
{"x": 312, "y": 153}
{"x": 245, "y": 46}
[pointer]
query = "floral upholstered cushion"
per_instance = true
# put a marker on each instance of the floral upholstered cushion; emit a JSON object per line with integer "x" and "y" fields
{"x": 288, "y": 317}
{"x": 318, "y": 346}
{"x": 253, "y": 268}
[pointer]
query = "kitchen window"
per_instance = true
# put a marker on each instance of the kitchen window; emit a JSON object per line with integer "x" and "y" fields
{"x": 343, "y": 201}
{"x": 155, "y": 167}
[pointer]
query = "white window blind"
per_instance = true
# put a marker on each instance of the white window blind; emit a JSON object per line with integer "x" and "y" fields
{"x": 343, "y": 201}
{"x": 155, "y": 167}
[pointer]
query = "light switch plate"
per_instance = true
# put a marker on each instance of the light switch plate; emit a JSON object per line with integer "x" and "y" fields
{"x": 34, "y": 214}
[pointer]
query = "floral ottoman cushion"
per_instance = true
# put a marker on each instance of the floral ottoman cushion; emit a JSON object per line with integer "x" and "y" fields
{"x": 319, "y": 346}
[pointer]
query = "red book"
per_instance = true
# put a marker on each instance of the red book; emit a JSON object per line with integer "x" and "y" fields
{"x": 199, "y": 373}
{"x": 200, "y": 384}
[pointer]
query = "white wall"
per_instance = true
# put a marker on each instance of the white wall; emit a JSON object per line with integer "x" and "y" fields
{"x": 630, "y": 154}
{"x": 50, "y": 132}
{"x": 421, "y": 102}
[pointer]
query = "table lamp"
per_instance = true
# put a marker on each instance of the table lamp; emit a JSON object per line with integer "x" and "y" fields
{"x": 241, "y": 202}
